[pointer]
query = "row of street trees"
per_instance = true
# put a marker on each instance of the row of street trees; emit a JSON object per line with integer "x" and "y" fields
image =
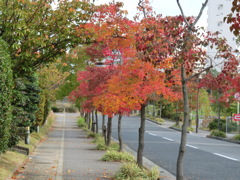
{"x": 159, "y": 55}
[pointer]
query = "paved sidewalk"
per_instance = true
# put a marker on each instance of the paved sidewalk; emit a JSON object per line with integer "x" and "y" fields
{"x": 67, "y": 155}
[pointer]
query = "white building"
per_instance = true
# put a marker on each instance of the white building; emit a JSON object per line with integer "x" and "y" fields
{"x": 217, "y": 10}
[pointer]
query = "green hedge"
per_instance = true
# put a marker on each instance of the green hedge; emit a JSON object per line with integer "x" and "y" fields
{"x": 6, "y": 85}
{"x": 222, "y": 125}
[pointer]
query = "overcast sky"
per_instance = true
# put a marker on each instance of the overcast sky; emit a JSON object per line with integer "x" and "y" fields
{"x": 166, "y": 7}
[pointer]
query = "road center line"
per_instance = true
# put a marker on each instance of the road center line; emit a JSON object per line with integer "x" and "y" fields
{"x": 167, "y": 139}
{"x": 192, "y": 146}
{"x": 226, "y": 157}
{"x": 152, "y": 134}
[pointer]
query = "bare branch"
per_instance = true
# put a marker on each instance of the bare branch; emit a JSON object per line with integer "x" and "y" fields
{"x": 198, "y": 17}
{"x": 200, "y": 13}
{"x": 140, "y": 5}
{"x": 180, "y": 7}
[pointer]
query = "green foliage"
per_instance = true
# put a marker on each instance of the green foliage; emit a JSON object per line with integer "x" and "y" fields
{"x": 6, "y": 85}
{"x": 40, "y": 113}
{"x": 131, "y": 171}
{"x": 57, "y": 109}
{"x": 168, "y": 110}
{"x": 118, "y": 156}
{"x": 81, "y": 123}
{"x": 214, "y": 124}
{"x": 47, "y": 109}
{"x": 218, "y": 133}
{"x": 25, "y": 102}
{"x": 236, "y": 137}
{"x": 37, "y": 33}
{"x": 76, "y": 60}
{"x": 231, "y": 126}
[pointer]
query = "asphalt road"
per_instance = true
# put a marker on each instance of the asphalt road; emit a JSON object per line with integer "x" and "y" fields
{"x": 205, "y": 159}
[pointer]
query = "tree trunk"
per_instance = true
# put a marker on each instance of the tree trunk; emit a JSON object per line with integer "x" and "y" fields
{"x": 93, "y": 122}
{"x": 160, "y": 109}
{"x": 197, "y": 110}
{"x": 119, "y": 132}
{"x": 182, "y": 148}
{"x": 219, "y": 110}
{"x": 147, "y": 109}
{"x": 103, "y": 125}
{"x": 96, "y": 118}
{"x": 141, "y": 137}
{"x": 153, "y": 113}
{"x": 109, "y": 131}
{"x": 86, "y": 117}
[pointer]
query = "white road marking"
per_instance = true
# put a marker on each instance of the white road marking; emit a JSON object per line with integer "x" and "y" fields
{"x": 167, "y": 139}
{"x": 61, "y": 151}
{"x": 192, "y": 146}
{"x": 152, "y": 134}
{"x": 226, "y": 157}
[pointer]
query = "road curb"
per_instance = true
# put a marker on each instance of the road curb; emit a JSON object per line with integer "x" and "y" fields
{"x": 164, "y": 174}
{"x": 224, "y": 139}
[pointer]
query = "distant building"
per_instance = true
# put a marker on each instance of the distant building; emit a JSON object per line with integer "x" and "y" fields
{"x": 217, "y": 10}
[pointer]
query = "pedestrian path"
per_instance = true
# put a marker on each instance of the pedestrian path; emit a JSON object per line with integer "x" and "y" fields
{"x": 67, "y": 154}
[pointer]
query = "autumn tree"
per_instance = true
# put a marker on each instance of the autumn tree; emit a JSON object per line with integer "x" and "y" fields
{"x": 91, "y": 84}
{"x": 37, "y": 33}
{"x": 183, "y": 41}
{"x": 233, "y": 18}
{"x": 137, "y": 81}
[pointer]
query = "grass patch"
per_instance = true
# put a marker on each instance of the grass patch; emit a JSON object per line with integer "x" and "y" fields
{"x": 190, "y": 129}
{"x": 92, "y": 135}
{"x": 116, "y": 156}
{"x": 131, "y": 171}
{"x": 11, "y": 160}
{"x": 81, "y": 123}
{"x": 236, "y": 137}
{"x": 218, "y": 133}
{"x": 99, "y": 140}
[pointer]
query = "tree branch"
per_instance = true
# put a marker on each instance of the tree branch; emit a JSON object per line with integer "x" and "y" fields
{"x": 140, "y": 5}
{"x": 180, "y": 7}
{"x": 197, "y": 74}
{"x": 200, "y": 13}
{"x": 198, "y": 17}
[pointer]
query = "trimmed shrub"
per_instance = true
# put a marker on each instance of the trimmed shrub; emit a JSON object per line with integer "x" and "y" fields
{"x": 6, "y": 86}
{"x": 230, "y": 127}
{"x": 218, "y": 133}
